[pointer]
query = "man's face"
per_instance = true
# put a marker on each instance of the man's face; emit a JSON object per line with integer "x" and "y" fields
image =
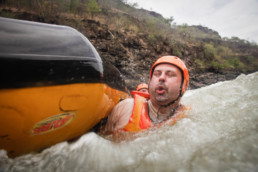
{"x": 165, "y": 84}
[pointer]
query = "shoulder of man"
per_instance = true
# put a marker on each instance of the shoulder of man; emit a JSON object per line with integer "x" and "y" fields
{"x": 120, "y": 115}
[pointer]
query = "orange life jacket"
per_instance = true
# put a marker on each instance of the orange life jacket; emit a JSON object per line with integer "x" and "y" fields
{"x": 145, "y": 95}
{"x": 140, "y": 119}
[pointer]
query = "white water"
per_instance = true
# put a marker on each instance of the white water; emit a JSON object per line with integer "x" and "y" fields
{"x": 220, "y": 133}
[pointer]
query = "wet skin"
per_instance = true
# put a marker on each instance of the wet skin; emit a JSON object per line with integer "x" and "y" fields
{"x": 165, "y": 84}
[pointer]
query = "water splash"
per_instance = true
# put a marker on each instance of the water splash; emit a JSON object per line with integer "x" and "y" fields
{"x": 219, "y": 133}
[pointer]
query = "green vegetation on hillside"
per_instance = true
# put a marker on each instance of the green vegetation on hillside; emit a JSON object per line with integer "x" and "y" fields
{"x": 220, "y": 57}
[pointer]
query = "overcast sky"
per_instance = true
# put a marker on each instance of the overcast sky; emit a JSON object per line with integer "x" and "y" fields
{"x": 227, "y": 17}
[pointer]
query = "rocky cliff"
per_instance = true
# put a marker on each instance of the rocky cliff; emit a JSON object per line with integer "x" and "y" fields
{"x": 132, "y": 52}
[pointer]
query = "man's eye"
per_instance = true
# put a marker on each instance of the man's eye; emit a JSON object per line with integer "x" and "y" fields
{"x": 156, "y": 73}
{"x": 170, "y": 74}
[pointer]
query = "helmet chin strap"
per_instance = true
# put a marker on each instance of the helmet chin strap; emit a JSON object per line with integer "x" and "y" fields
{"x": 179, "y": 96}
{"x": 170, "y": 103}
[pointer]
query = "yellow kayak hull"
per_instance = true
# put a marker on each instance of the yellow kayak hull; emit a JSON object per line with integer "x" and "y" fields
{"x": 37, "y": 117}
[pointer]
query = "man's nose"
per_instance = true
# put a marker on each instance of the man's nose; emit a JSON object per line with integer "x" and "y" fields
{"x": 162, "y": 77}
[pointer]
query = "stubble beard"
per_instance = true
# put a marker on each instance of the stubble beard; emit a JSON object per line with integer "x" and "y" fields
{"x": 161, "y": 98}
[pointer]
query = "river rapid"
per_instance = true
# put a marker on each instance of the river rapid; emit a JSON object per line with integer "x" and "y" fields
{"x": 219, "y": 133}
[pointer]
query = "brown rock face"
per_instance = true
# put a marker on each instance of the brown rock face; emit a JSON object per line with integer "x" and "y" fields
{"x": 133, "y": 53}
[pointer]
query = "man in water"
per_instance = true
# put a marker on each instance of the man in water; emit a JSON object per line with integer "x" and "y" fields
{"x": 142, "y": 88}
{"x": 168, "y": 82}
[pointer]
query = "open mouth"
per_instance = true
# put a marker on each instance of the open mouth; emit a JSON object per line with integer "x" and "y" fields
{"x": 160, "y": 89}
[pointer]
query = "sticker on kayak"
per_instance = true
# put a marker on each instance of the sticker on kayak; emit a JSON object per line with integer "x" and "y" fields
{"x": 52, "y": 123}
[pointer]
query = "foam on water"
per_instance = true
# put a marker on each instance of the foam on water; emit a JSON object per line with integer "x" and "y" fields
{"x": 219, "y": 133}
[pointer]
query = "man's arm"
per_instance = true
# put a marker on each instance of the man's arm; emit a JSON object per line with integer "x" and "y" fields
{"x": 120, "y": 115}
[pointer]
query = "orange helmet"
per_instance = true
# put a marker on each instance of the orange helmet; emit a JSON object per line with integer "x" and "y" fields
{"x": 178, "y": 63}
{"x": 141, "y": 86}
